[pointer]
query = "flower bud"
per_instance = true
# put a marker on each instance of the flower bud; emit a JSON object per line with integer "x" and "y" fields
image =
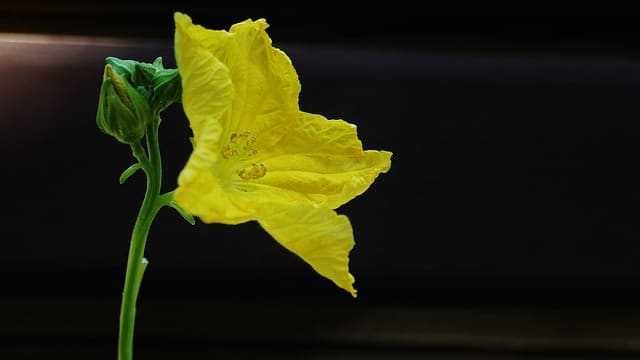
{"x": 122, "y": 111}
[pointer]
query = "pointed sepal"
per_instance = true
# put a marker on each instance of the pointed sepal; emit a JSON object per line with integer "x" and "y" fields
{"x": 128, "y": 172}
{"x": 167, "y": 200}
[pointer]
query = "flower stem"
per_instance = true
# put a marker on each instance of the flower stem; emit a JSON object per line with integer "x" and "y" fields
{"x": 136, "y": 262}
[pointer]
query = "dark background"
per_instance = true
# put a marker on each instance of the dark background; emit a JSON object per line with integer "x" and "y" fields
{"x": 506, "y": 228}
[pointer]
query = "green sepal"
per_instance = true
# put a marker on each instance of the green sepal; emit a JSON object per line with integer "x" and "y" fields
{"x": 138, "y": 74}
{"x": 143, "y": 74}
{"x": 185, "y": 215}
{"x": 167, "y": 89}
{"x": 124, "y": 68}
{"x": 128, "y": 172}
{"x": 157, "y": 63}
{"x": 167, "y": 200}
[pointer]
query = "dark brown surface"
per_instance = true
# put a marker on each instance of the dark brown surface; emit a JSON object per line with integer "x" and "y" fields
{"x": 80, "y": 327}
{"x": 71, "y": 313}
{"x": 523, "y": 26}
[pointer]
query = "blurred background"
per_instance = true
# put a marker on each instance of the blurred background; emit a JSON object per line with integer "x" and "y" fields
{"x": 507, "y": 227}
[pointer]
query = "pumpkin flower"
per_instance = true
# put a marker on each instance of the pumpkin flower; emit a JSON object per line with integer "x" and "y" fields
{"x": 257, "y": 156}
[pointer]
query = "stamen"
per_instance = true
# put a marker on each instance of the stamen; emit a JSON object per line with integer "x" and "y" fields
{"x": 228, "y": 152}
{"x": 255, "y": 171}
{"x": 242, "y": 144}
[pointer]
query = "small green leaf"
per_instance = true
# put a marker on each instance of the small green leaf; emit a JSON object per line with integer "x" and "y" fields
{"x": 130, "y": 171}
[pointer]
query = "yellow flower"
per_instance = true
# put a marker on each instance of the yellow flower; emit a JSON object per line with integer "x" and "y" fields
{"x": 257, "y": 157}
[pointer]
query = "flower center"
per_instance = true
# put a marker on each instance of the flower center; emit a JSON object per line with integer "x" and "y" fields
{"x": 242, "y": 147}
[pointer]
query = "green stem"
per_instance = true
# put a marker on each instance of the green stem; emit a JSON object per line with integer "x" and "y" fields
{"x": 136, "y": 262}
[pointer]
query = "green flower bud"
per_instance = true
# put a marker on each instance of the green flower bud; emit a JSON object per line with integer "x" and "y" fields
{"x": 122, "y": 111}
{"x": 162, "y": 87}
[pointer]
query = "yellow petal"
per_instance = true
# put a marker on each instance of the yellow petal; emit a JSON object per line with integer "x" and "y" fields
{"x": 265, "y": 83}
{"x": 323, "y": 162}
{"x": 316, "y": 234}
{"x": 233, "y": 83}
{"x": 211, "y": 40}
{"x": 202, "y": 194}
{"x": 207, "y": 90}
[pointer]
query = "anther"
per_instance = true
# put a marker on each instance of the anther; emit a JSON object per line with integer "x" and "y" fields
{"x": 255, "y": 171}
